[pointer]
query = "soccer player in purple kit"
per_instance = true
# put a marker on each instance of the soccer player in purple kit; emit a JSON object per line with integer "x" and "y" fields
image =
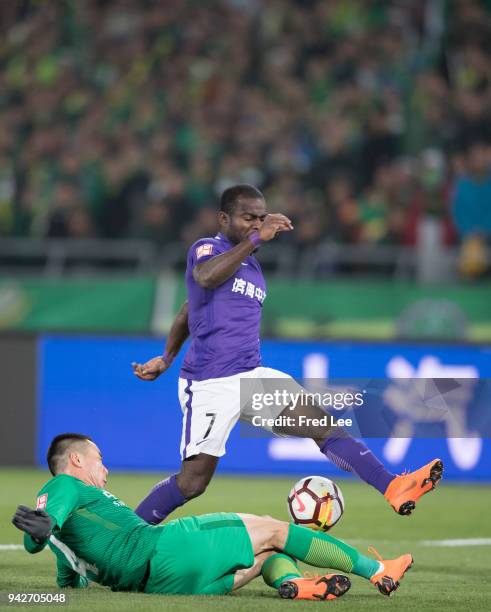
{"x": 226, "y": 290}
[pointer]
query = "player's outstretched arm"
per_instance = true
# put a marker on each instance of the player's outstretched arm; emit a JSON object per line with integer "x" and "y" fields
{"x": 215, "y": 271}
{"x": 178, "y": 334}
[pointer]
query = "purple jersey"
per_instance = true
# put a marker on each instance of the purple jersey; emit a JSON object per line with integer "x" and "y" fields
{"x": 223, "y": 322}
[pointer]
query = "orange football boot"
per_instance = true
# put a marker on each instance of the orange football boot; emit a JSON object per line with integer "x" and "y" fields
{"x": 404, "y": 491}
{"x": 330, "y": 586}
{"x": 387, "y": 579}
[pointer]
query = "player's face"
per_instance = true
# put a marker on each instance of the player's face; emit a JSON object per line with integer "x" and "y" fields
{"x": 95, "y": 472}
{"x": 247, "y": 217}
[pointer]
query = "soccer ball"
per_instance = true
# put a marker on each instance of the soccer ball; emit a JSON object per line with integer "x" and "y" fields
{"x": 315, "y": 502}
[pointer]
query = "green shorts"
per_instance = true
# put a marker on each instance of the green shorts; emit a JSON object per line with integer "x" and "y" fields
{"x": 200, "y": 555}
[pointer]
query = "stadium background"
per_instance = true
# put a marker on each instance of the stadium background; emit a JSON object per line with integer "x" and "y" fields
{"x": 367, "y": 122}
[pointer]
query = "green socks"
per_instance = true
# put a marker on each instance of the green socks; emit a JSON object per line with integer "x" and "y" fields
{"x": 278, "y": 568}
{"x": 322, "y": 550}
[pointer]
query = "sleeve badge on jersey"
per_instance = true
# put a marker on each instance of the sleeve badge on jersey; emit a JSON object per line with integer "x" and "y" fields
{"x": 42, "y": 500}
{"x": 204, "y": 249}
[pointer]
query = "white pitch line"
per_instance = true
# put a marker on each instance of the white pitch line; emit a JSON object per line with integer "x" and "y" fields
{"x": 439, "y": 543}
{"x": 458, "y": 542}
{"x": 8, "y": 547}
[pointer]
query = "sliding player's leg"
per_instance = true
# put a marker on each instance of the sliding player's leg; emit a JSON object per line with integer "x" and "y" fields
{"x": 236, "y": 579}
{"x": 275, "y": 568}
{"x": 214, "y": 554}
{"x": 281, "y": 572}
{"x": 244, "y": 576}
{"x": 322, "y": 550}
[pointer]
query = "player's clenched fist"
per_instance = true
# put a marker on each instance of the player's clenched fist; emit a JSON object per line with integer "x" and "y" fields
{"x": 150, "y": 370}
{"x": 273, "y": 224}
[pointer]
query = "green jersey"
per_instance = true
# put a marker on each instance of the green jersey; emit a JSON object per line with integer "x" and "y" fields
{"x": 95, "y": 536}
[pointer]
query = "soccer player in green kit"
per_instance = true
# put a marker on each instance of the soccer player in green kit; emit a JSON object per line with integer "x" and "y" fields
{"x": 96, "y": 537}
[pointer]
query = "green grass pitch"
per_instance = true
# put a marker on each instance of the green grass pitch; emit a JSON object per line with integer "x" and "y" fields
{"x": 442, "y": 578}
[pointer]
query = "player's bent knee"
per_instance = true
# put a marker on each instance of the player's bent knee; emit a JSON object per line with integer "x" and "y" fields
{"x": 280, "y": 534}
{"x": 277, "y": 531}
{"x": 191, "y": 488}
{"x": 195, "y": 489}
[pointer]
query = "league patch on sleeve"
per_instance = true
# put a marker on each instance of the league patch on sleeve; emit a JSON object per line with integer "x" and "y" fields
{"x": 42, "y": 500}
{"x": 204, "y": 249}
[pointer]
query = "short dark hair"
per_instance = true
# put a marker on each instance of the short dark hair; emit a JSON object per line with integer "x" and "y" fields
{"x": 58, "y": 448}
{"x": 229, "y": 198}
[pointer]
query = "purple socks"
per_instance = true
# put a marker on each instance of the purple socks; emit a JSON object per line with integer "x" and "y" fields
{"x": 163, "y": 499}
{"x": 353, "y": 456}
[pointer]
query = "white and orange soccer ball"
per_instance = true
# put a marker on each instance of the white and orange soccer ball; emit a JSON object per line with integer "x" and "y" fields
{"x": 315, "y": 502}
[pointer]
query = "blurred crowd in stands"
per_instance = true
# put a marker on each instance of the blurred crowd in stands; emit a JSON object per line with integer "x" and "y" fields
{"x": 357, "y": 118}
